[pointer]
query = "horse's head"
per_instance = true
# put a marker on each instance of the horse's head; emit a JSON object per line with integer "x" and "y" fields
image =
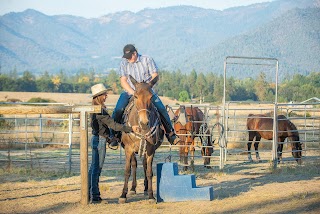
{"x": 207, "y": 149}
{"x": 293, "y": 136}
{"x": 142, "y": 100}
{"x": 296, "y": 148}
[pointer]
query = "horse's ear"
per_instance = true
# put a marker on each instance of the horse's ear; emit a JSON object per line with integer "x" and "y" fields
{"x": 134, "y": 82}
{"x": 154, "y": 81}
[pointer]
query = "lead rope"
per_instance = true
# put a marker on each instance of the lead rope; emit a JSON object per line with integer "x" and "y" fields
{"x": 149, "y": 134}
{"x": 142, "y": 147}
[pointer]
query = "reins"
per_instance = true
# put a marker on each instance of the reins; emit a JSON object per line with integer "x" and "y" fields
{"x": 153, "y": 130}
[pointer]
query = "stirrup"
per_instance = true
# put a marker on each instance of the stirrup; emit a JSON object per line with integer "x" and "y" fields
{"x": 174, "y": 139}
{"x": 113, "y": 143}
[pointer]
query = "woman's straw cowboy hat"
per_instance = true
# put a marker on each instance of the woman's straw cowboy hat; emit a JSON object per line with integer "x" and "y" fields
{"x": 99, "y": 89}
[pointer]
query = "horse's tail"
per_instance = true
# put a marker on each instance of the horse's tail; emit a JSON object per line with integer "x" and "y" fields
{"x": 221, "y": 139}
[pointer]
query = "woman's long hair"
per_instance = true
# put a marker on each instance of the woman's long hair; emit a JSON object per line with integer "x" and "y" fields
{"x": 98, "y": 100}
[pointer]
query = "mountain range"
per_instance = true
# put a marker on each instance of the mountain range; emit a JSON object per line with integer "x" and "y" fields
{"x": 178, "y": 38}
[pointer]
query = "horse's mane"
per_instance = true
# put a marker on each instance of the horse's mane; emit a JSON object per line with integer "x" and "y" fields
{"x": 292, "y": 126}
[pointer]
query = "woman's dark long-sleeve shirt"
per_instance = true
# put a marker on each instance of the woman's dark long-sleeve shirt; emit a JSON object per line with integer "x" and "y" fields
{"x": 101, "y": 122}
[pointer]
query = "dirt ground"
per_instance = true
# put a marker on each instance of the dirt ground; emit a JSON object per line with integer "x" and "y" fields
{"x": 240, "y": 188}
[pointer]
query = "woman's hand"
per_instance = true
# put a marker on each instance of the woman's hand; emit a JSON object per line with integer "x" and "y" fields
{"x": 136, "y": 129}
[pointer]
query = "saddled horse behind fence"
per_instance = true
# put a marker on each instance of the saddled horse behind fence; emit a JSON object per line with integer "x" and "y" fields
{"x": 144, "y": 114}
{"x": 190, "y": 122}
{"x": 261, "y": 126}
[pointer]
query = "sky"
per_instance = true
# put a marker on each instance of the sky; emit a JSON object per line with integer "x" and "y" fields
{"x": 97, "y": 8}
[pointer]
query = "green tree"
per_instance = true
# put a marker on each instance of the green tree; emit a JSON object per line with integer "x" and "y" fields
{"x": 184, "y": 96}
{"x": 27, "y": 82}
{"x": 113, "y": 81}
{"x": 7, "y": 83}
{"x": 261, "y": 87}
{"x": 218, "y": 89}
{"x": 192, "y": 78}
{"x": 201, "y": 86}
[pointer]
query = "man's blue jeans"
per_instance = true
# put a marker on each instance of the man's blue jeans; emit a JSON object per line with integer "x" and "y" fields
{"x": 124, "y": 100}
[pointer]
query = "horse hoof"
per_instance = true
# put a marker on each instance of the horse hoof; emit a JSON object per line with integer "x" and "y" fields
{"x": 122, "y": 200}
{"x": 152, "y": 201}
{"x": 132, "y": 192}
{"x": 145, "y": 192}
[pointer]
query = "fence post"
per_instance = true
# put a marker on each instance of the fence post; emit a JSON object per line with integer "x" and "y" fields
{"x": 40, "y": 124}
{"x": 275, "y": 137}
{"x": 84, "y": 157}
{"x": 70, "y": 141}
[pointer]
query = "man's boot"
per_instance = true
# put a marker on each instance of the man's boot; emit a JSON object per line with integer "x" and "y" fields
{"x": 170, "y": 134}
{"x": 173, "y": 138}
{"x": 113, "y": 143}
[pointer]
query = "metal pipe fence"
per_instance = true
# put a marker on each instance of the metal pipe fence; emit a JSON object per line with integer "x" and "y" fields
{"x": 306, "y": 118}
{"x": 45, "y": 139}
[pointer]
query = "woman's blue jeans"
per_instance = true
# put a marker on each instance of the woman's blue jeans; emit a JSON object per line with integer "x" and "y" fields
{"x": 123, "y": 102}
{"x": 98, "y": 145}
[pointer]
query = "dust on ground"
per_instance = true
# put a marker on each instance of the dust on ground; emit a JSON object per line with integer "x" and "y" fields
{"x": 240, "y": 188}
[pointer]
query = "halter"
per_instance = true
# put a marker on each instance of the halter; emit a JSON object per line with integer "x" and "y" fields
{"x": 140, "y": 110}
{"x": 153, "y": 130}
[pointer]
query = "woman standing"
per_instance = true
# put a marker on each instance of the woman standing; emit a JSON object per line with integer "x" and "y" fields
{"x": 100, "y": 123}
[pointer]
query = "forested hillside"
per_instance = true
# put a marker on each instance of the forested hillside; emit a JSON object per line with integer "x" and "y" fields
{"x": 293, "y": 38}
{"x": 178, "y": 38}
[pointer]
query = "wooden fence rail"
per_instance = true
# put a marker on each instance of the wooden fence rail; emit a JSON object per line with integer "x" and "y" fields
{"x": 83, "y": 110}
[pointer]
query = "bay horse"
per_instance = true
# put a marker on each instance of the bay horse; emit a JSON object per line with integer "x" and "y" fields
{"x": 261, "y": 126}
{"x": 141, "y": 112}
{"x": 189, "y": 122}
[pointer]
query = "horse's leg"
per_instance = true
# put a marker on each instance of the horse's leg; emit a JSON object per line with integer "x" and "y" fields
{"x": 192, "y": 149}
{"x": 149, "y": 177}
{"x": 144, "y": 163}
{"x": 207, "y": 152}
{"x": 251, "y": 136}
{"x": 127, "y": 172}
{"x": 296, "y": 152}
{"x": 185, "y": 156}
{"x": 134, "y": 175}
{"x": 181, "y": 154}
{"x": 256, "y": 147}
{"x": 279, "y": 149}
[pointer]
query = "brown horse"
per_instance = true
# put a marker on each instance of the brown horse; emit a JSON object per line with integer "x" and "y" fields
{"x": 189, "y": 122}
{"x": 141, "y": 112}
{"x": 261, "y": 126}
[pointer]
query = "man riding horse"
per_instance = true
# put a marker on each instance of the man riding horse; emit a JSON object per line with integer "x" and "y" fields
{"x": 142, "y": 69}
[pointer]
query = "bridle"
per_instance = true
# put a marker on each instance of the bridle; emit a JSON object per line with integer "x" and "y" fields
{"x": 152, "y": 132}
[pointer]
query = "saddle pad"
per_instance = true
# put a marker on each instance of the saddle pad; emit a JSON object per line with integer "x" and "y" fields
{"x": 182, "y": 116}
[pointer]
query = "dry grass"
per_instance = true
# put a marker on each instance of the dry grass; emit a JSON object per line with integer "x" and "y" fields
{"x": 245, "y": 188}
{"x": 69, "y": 98}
